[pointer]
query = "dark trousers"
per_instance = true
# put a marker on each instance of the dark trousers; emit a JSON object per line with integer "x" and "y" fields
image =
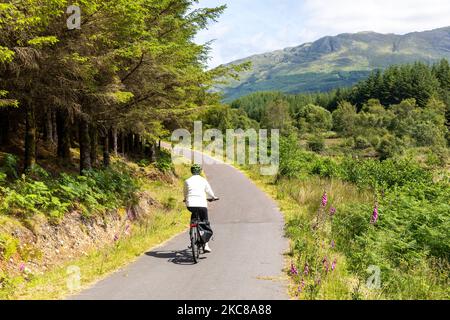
{"x": 199, "y": 213}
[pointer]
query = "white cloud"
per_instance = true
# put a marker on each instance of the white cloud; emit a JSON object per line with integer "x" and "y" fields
{"x": 386, "y": 16}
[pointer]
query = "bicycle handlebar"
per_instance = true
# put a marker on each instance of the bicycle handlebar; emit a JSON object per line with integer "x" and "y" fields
{"x": 209, "y": 200}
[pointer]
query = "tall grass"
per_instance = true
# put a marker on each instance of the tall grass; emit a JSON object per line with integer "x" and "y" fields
{"x": 407, "y": 241}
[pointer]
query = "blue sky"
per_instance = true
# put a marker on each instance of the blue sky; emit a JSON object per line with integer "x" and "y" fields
{"x": 255, "y": 26}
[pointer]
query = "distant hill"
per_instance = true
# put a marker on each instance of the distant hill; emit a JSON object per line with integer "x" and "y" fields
{"x": 338, "y": 61}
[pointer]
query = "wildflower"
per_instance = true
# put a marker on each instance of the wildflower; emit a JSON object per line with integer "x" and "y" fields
{"x": 301, "y": 286}
{"x": 326, "y": 264}
{"x": 332, "y": 211}
{"x": 333, "y": 265}
{"x": 332, "y": 244}
{"x": 318, "y": 281}
{"x": 374, "y": 218}
{"x": 116, "y": 237}
{"x": 324, "y": 199}
{"x": 22, "y": 267}
{"x": 306, "y": 270}
{"x": 294, "y": 270}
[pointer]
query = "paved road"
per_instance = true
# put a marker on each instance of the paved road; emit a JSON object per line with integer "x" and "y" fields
{"x": 246, "y": 262}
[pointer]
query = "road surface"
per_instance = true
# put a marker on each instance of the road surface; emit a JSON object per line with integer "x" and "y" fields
{"x": 246, "y": 262}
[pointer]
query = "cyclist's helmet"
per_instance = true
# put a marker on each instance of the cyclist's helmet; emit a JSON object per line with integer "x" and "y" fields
{"x": 196, "y": 169}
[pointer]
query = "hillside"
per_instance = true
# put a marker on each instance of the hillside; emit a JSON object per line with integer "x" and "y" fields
{"x": 338, "y": 61}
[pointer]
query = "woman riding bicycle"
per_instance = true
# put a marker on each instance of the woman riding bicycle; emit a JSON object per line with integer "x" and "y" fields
{"x": 195, "y": 190}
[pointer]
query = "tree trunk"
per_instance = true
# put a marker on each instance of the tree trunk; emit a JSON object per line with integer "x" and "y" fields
{"x": 54, "y": 127}
{"x": 85, "y": 145}
{"x": 122, "y": 143}
{"x": 30, "y": 137}
{"x": 94, "y": 144}
{"x": 48, "y": 127}
{"x": 106, "y": 158}
{"x": 63, "y": 128}
{"x": 114, "y": 141}
{"x": 4, "y": 127}
{"x": 130, "y": 143}
{"x": 137, "y": 144}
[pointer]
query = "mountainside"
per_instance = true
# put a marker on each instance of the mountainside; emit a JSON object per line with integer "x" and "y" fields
{"x": 338, "y": 61}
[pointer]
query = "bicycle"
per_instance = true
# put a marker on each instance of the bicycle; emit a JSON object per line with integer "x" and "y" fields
{"x": 196, "y": 240}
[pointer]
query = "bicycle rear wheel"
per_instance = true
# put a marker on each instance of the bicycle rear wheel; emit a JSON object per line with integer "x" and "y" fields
{"x": 194, "y": 245}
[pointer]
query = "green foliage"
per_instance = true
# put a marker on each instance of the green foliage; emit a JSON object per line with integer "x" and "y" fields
{"x": 362, "y": 143}
{"x": 8, "y": 246}
{"x": 405, "y": 243}
{"x": 9, "y": 166}
{"x": 164, "y": 161}
{"x": 95, "y": 192}
{"x": 316, "y": 143}
{"x": 344, "y": 118}
{"x": 312, "y": 118}
{"x": 295, "y": 162}
{"x": 224, "y": 117}
{"x": 277, "y": 116}
{"x": 389, "y": 146}
{"x": 409, "y": 241}
{"x": 404, "y": 106}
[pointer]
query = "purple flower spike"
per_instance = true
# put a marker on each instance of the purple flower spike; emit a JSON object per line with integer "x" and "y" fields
{"x": 294, "y": 270}
{"x": 333, "y": 266}
{"x": 332, "y": 211}
{"x": 324, "y": 199}
{"x": 116, "y": 237}
{"x": 333, "y": 244}
{"x": 306, "y": 270}
{"x": 374, "y": 218}
{"x": 22, "y": 267}
{"x": 326, "y": 264}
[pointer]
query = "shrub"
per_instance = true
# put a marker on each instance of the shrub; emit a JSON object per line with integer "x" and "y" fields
{"x": 9, "y": 166}
{"x": 361, "y": 143}
{"x": 389, "y": 147}
{"x": 316, "y": 144}
{"x": 164, "y": 161}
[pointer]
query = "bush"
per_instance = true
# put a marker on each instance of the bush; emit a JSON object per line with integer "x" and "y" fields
{"x": 316, "y": 144}
{"x": 389, "y": 147}
{"x": 164, "y": 161}
{"x": 374, "y": 141}
{"x": 9, "y": 166}
{"x": 361, "y": 143}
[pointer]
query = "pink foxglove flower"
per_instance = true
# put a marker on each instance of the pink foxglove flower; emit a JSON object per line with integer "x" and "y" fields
{"x": 374, "y": 218}
{"x": 301, "y": 286}
{"x": 306, "y": 270}
{"x": 326, "y": 264}
{"x": 324, "y": 199}
{"x": 294, "y": 270}
{"x": 333, "y": 265}
{"x": 332, "y": 211}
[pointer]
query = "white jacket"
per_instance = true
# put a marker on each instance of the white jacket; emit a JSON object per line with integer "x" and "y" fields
{"x": 195, "y": 190}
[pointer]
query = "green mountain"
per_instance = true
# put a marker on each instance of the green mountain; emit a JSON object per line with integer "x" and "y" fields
{"x": 338, "y": 61}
